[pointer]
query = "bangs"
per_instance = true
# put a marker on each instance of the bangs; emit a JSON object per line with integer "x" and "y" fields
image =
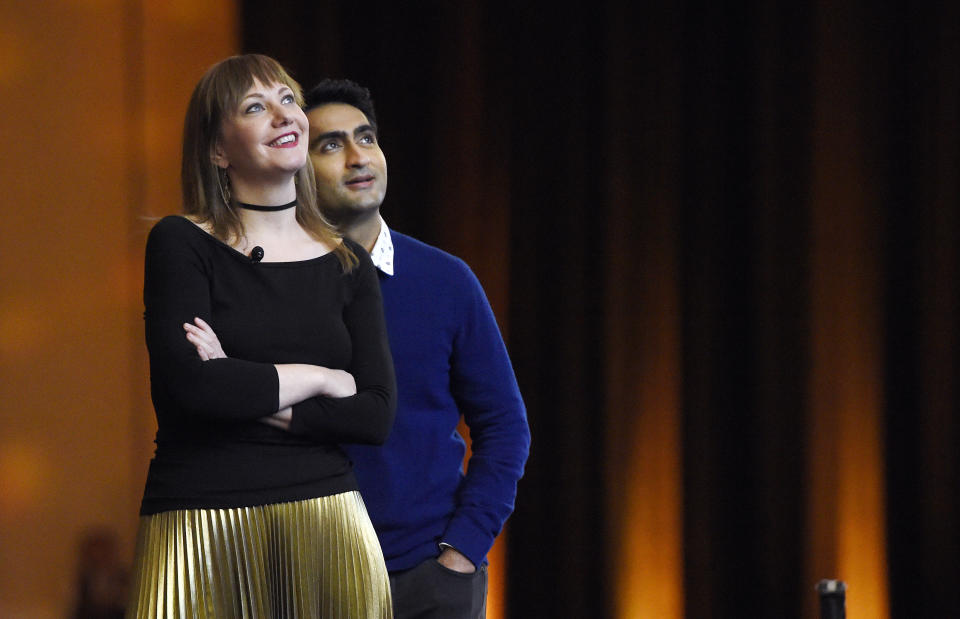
{"x": 232, "y": 78}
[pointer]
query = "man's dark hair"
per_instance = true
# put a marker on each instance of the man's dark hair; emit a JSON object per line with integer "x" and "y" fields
{"x": 341, "y": 91}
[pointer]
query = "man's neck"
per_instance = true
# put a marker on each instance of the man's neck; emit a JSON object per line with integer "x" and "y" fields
{"x": 363, "y": 229}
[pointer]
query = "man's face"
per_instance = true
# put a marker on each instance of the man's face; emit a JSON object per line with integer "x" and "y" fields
{"x": 350, "y": 168}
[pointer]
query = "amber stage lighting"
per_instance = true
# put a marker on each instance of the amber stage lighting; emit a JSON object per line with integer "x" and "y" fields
{"x": 846, "y": 504}
{"x": 95, "y": 92}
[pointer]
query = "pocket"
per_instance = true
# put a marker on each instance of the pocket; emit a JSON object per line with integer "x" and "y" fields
{"x": 454, "y": 573}
{"x": 458, "y": 594}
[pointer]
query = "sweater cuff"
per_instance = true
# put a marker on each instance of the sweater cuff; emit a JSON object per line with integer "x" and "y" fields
{"x": 467, "y": 539}
{"x": 298, "y": 412}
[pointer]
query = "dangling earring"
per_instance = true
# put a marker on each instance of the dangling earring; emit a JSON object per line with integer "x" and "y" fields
{"x": 223, "y": 181}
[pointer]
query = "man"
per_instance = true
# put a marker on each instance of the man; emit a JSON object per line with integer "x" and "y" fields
{"x": 435, "y": 524}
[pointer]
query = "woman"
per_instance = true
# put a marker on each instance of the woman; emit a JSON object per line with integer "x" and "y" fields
{"x": 250, "y": 508}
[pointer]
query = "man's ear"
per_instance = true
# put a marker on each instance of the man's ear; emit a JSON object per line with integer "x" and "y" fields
{"x": 218, "y": 156}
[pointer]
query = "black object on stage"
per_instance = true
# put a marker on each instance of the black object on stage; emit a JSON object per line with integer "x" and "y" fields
{"x": 833, "y": 599}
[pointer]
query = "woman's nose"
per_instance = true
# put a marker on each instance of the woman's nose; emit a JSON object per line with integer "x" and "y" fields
{"x": 282, "y": 117}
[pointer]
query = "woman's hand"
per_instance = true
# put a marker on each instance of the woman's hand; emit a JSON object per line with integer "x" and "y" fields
{"x": 202, "y": 336}
{"x": 336, "y": 384}
{"x": 339, "y": 384}
{"x": 302, "y": 381}
{"x": 280, "y": 419}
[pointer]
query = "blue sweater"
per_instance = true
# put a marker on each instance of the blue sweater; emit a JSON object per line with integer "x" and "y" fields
{"x": 450, "y": 360}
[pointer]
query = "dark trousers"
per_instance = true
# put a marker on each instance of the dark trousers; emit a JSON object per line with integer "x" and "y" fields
{"x": 431, "y": 591}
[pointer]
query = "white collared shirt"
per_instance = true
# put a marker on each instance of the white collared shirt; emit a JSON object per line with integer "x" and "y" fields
{"x": 382, "y": 252}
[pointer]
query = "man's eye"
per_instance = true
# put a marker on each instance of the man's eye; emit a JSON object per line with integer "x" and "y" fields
{"x": 329, "y": 146}
{"x": 367, "y": 139}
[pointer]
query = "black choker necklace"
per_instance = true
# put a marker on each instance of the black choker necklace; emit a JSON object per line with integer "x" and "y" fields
{"x": 257, "y": 207}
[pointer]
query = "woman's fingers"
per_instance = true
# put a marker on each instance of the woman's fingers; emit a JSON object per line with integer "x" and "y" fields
{"x": 198, "y": 340}
{"x": 280, "y": 419}
{"x": 202, "y": 347}
{"x": 202, "y": 336}
{"x": 203, "y": 328}
{"x": 276, "y": 423}
{"x": 205, "y": 335}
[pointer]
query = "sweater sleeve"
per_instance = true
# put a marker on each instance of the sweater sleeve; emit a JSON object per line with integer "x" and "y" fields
{"x": 486, "y": 391}
{"x": 176, "y": 289}
{"x": 366, "y": 417}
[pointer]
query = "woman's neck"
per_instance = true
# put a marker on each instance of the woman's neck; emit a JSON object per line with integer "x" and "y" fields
{"x": 264, "y": 194}
{"x": 257, "y": 223}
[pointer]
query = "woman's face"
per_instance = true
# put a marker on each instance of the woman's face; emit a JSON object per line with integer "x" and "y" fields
{"x": 265, "y": 138}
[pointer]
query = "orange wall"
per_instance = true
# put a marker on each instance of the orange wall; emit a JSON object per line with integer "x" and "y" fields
{"x": 93, "y": 96}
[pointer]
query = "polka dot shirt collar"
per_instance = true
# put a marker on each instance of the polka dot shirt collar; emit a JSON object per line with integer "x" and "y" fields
{"x": 382, "y": 252}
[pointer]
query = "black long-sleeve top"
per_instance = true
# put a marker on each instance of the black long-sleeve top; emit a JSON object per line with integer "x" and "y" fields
{"x": 211, "y": 450}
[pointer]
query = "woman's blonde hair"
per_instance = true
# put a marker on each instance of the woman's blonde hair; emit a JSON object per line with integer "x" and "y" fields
{"x": 205, "y": 198}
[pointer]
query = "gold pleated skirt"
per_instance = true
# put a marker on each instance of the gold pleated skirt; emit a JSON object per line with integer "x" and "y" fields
{"x": 318, "y": 558}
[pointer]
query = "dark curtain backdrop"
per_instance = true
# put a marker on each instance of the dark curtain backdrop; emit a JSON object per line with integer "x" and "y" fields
{"x": 582, "y": 158}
